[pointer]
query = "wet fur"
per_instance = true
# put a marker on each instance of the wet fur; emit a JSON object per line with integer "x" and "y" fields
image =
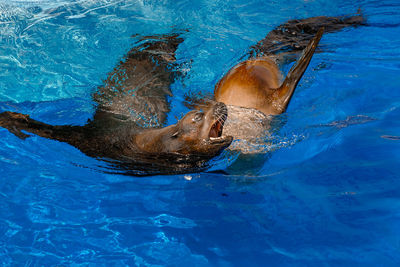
{"x": 253, "y": 90}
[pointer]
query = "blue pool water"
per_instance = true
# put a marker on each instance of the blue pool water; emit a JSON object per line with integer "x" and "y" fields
{"x": 328, "y": 193}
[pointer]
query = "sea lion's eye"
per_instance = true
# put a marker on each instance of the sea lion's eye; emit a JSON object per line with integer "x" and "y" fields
{"x": 198, "y": 116}
{"x": 175, "y": 135}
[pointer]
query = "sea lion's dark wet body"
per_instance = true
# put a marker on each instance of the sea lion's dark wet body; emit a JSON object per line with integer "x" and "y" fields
{"x": 127, "y": 126}
{"x": 132, "y": 105}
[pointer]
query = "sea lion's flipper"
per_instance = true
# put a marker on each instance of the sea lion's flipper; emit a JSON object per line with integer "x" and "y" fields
{"x": 285, "y": 91}
{"x": 17, "y": 122}
{"x": 292, "y": 37}
{"x": 138, "y": 87}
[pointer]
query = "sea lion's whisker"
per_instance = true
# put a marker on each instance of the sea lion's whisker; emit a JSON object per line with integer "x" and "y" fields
{"x": 220, "y": 119}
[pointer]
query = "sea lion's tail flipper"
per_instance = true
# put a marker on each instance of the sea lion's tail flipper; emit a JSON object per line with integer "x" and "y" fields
{"x": 286, "y": 40}
{"x": 286, "y": 90}
{"x": 16, "y": 123}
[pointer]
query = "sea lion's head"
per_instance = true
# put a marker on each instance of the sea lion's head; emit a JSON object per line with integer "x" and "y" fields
{"x": 199, "y": 132}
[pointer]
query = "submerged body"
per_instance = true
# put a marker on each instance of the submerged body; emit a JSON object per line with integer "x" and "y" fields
{"x": 249, "y": 127}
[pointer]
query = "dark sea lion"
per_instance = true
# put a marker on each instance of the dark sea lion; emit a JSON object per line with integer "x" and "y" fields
{"x": 182, "y": 147}
{"x": 198, "y": 132}
{"x": 127, "y": 127}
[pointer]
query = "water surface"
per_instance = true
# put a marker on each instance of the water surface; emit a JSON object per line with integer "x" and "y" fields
{"x": 327, "y": 194}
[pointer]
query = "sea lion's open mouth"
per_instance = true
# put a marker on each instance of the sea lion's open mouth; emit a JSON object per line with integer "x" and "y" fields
{"x": 216, "y": 129}
{"x": 220, "y": 113}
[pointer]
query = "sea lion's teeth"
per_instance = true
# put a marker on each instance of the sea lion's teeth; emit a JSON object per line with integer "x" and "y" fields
{"x": 215, "y": 138}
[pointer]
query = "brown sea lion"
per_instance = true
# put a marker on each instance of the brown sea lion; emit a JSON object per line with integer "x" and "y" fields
{"x": 127, "y": 127}
{"x": 253, "y": 89}
{"x": 253, "y": 83}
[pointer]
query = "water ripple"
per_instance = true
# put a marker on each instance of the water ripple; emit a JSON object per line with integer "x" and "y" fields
{"x": 325, "y": 194}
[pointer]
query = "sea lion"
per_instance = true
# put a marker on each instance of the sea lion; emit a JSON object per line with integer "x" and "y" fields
{"x": 183, "y": 147}
{"x": 127, "y": 127}
{"x": 253, "y": 89}
{"x": 198, "y": 132}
